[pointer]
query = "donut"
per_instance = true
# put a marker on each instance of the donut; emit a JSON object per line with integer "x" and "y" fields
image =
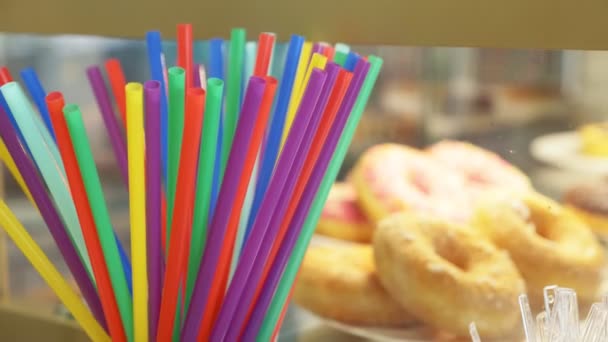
{"x": 342, "y": 218}
{"x": 594, "y": 139}
{"x": 446, "y": 275}
{"x": 339, "y": 282}
{"x": 483, "y": 170}
{"x": 390, "y": 178}
{"x": 549, "y": 245}
{"x": 588, "y": 202}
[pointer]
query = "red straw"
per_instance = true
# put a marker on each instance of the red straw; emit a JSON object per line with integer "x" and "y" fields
{"x": 184, "y": 51}
{"x": 220, "y": 279}
{"x": 181, "y": 225}
{"x": 329, "y": 51}
{"x": 55, "y": 104}
{"x": 118, "y": 83}
{"x": 333, "y": 104}
{"x": 262, "y": 60}
{"x": 5, "y": 76}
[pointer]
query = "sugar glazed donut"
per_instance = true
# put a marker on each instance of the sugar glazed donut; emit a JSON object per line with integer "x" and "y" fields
{"x": 549, "y": 244}
{"x": 342, "y": 218}
{"x": 391, "y": 178}
{"x": 447, "y": 276}
{"x": 340, "y": 282}
{"x": 482, "y": 169}
{"x": 589, "y": 202}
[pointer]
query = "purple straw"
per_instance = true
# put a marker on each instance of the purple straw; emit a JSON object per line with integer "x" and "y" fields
{"x": 270, "y": 208}
{"x": 234, "y": 169}
{"x": 316, "y": 48}
{"x": 105, "y": 106}
{"x": 306, "y": 201}
{"x": 50, "y": 216}
{"x": 153, "y": 200}
{"x": 197, "y": 76}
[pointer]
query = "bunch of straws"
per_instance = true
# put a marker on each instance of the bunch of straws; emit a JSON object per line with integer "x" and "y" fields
{"x": 225, "y": 188}
{"x": 559, "y": 321}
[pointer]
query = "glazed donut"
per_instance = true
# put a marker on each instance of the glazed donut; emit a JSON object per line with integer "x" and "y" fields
{"x": 588, "y": 202}
{"x": 342, "y": 218}
{"x": 549, "y": 245}
{"x": 447, "y": 276}
{"x": 391, "y": 178}
{"x": 483, "y": 170}
{"x": 340, "y": 282}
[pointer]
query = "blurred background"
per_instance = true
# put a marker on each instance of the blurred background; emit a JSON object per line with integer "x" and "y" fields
{"x": 501, "y": 99}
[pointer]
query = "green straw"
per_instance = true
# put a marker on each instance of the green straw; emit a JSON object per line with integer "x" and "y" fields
{"x": 213, "y": 104}
{"x": 340, "y": 58}
{"x": 291, "y": 270}
{"x": 177, "y": 85}
{"x": 46, "y": 156}
{"x": 94, "y": 190}
{"x": 233, "y": 91}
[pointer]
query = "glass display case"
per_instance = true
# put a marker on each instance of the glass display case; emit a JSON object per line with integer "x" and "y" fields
{"x": 530, "y": 97}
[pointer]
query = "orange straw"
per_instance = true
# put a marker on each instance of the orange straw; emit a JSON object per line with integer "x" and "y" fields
{"x": 181, "y": 225}
{"x": 184, "y": 52}
{"x": 262, "y": 60}
{"x": 220, "y": 278}
{"x": 55, "y": 104}
{"x": 333, "y": 104}
{"x": 118, "y": 83}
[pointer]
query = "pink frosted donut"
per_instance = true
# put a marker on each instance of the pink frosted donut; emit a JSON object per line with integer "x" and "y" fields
{"x": 482, "y": 169}
{"x": 342, "y": 218}
{"x": 390, "y": 178}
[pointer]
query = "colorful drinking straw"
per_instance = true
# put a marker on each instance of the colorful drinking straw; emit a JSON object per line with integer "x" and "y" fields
{"x": 94, "y": 190}
{"x": 49, "y": 273}
{"x": 137, "y": 208}
{"x": 152, "y": 95}
{"x": 55, "y": 104}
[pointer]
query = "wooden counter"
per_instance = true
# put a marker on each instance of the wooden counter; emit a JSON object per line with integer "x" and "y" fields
{"x": 554, "y": 24}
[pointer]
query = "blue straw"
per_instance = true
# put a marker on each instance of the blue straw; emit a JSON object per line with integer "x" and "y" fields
{"x": 351, "y": 60}
{"x": 154, "y": 49}
{"x": 34, "y": 87}
{"x": 216, "y": 70}
{"x": 276, "y": 126}
{"x": 126, "y": 264}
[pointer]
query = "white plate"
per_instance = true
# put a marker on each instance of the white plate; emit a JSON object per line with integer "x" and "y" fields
{"x": 562, "y": 150}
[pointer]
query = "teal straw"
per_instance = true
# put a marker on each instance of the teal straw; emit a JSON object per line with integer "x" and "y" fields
{"x": 291, "y": 270}
{"x": 341, "y": 47}
{"x": 46, "y": 156}
{"x": 240, "y": 234}
{"x": 251, "y": 49}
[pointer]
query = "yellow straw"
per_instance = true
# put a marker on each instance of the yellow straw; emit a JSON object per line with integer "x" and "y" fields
{"x": 7, "y": 159}
{"x": 49, "y": 273}
{"x": 137, "y": 206}
{"x": 318, "y": 61}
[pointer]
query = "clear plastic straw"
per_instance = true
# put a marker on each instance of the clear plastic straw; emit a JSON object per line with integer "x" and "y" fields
{"x": 473, "y": 332}
{"x": 564, "y": 322}
{"x": 527, "y": 318}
